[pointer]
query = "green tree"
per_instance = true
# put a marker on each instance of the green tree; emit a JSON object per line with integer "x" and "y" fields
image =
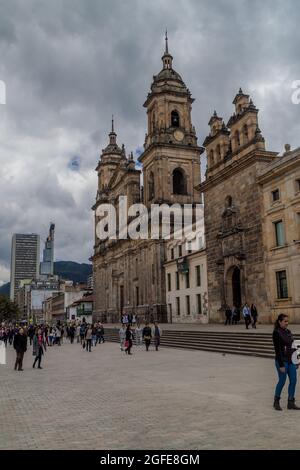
{"x": 8, "y": 310}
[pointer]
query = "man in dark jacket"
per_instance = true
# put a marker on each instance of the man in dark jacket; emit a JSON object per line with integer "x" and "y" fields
{"x": 147, "y": 334}
{"x": 228, "y": 315}
{"x": 20, "y": 345}
{"x": 31, "y": 333}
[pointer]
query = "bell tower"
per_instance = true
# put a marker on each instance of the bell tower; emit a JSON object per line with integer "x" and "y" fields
{"x": 171, "y": 157}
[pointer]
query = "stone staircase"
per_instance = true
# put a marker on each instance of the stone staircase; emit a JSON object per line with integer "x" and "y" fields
{"x": 249, "y": 344}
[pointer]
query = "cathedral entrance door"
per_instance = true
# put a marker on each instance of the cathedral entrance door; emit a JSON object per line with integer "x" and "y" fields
{"x": 233, "y": 290}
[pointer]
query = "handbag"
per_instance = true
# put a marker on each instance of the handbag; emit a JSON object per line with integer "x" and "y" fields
{"x": 147, "y": 338}
{"x": 126, "y": 344}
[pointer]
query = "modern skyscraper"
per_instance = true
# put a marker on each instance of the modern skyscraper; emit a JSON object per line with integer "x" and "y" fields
{"x": 46, "y": 267}
{"x": 25, "y": 260}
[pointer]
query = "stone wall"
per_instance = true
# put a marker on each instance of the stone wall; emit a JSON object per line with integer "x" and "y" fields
{"x": 136, "y": 268}
{"x": 237, "y": 244}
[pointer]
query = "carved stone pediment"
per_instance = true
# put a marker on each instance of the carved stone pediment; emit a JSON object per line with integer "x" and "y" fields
{"x": 230, "y": 219}
{"x": 232, "y": 245}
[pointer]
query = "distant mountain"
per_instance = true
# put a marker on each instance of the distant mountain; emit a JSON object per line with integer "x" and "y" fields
{"x": 76, "y": 272}
{"x": 70, "y": 270}
{"x": 5, "y": 289}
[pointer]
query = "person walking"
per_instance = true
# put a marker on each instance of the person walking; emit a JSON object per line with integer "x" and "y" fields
{"x": 254, "y": 315}
{"x": 58, "y": 335}
{"x": 46, "y": 332}
{"x": 44, "y": 338}
{"x": 138, "y": 332}
{"x": 50, "y": 336}
{"x": 31, "y": 334}
{"x": 156, "y": 334}
{"x": 235, "y": 314}
{"x": 54, "y": 340}
{"x": 98, "y": 333}
{"x": 63, "y": 332}
{"x": 82, "y": 332}
{"x": 78, "y": 333}
{"x": 72, "y": 333}
{"x": 147, "y": 333}
{"x": 122, "y": 336}
{"x": 38, "y": 348}
{"x": 128, "y": 339}
{"x": 94, "y": 335}
{"x": 228, "y": 315}
{"x": 20, "y": 345}
{"x": 283, "y": 345}
{"x": 11, "y": 335}
{"x": 88, "y": 338}
{"x": 247, "y": 315}
{"x": 102, "y": 340}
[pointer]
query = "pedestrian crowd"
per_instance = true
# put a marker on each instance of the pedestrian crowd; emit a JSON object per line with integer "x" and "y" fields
{"x": 287, "y": 351}
{"x": 233, "y": 315}
{"x": 42, "y": 336}
{"x": 130, "y": 332}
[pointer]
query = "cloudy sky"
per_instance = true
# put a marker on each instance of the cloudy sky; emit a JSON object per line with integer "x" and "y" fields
{"x": 69, "y": 64}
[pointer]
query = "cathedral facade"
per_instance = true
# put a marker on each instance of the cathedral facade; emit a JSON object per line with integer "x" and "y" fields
{"x": 128, "y": 274}
{"x": 251, "y": 215}
{"x": 239, "y": 243}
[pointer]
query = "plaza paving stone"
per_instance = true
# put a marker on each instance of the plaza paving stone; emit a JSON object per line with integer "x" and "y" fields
{"x": 170, "y": 399}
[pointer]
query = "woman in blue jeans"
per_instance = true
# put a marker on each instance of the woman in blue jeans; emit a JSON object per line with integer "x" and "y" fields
{"x": 283, "y": 341}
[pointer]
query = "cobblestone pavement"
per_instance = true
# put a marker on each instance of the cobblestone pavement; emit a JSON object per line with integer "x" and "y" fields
{"x": 170, "y": 399}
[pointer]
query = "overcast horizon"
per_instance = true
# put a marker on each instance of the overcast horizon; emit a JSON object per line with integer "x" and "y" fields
{"x": 69, "y": 65}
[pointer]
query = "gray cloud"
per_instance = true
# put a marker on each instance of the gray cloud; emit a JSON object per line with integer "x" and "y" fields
{"x": 68, "y": 65}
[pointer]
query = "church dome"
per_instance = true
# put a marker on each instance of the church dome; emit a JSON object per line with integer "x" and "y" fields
{"x": 113, "y": 148}
{"x": 167, "y": 79}
{"x": 168, "y": 76}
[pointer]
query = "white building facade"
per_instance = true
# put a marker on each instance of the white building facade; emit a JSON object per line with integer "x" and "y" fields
{"x": 81, "y": 309}
{"x": 186, "y": 280}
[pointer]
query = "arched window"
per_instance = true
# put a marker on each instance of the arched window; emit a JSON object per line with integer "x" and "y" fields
{"x": 228, "y": 202}
{"x": 175, "y": 122}
{"x": 237, "y": 138}
{"x": 151, "y": 186}
{"x": 153, "y": 122}
{"x": 218, "y": 152}
{"x": 211, "y": 158}
{"x": 179, "y": 181}
{"x": 245, "y": 133}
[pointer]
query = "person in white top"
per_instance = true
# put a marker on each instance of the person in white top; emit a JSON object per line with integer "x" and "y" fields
{"x": 122, "y": 335}
{"x": 138, "y": 335}
{"x": 247, "y": 315}
{"x": 58, "y": 336}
